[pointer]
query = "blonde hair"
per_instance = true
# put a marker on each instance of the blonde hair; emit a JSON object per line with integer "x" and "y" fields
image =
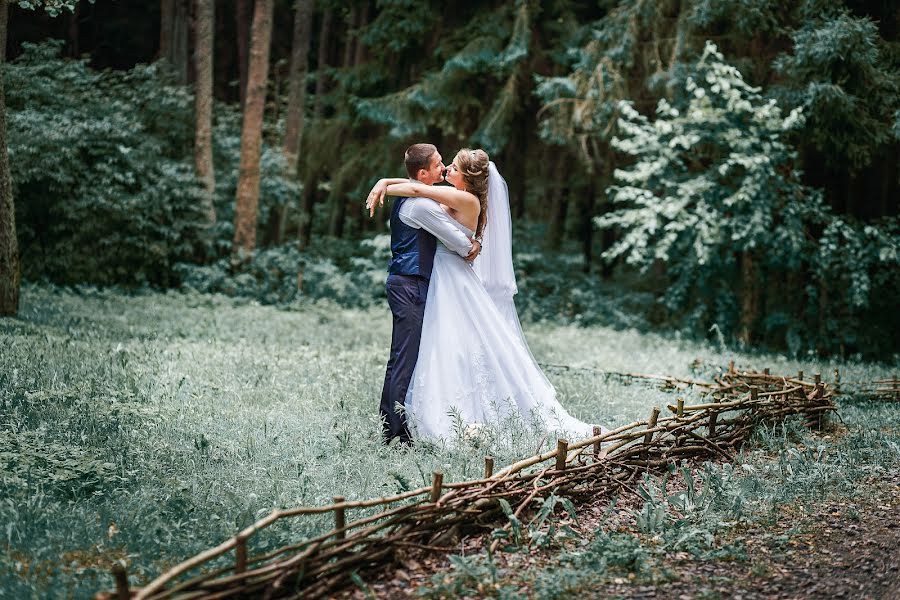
{"x": 473, "y": 165}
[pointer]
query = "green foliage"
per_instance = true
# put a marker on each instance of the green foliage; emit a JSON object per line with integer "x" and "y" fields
{"x": 103, "y": 172}
{"x": 839, "y": 73}
{"x": 53, "y": 7}
{"x": 714, "y": 185}
{"x": 476, "y": 57}
{"x": 350, "y": 274}
{"x": 103, "y": 190}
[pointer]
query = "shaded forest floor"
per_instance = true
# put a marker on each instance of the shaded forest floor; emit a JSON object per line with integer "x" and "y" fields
{"x": 150, "y": 427}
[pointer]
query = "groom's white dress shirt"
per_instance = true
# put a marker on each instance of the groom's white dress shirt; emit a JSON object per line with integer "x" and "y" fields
{"x": 425, "y": 213}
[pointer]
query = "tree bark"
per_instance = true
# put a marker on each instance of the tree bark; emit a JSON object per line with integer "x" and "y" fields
{"x": 360, "y": 55}
{"x": 175, "y": 18}
{"x": 306, "y": 210}
{"x": 339, "y": 193}
{"x": 324, "y": 39}
{"x": 587, "y": 225}
{"x": 203, "y": 106}
{"x": 10, "y": 274}
{"x": 559, "y": 206}
{"x": 749, "y": 296}
{"x": 293, "y": 126}
{"x": 242, "y": 27}
{"x": 74, "y": 38}
{"x": 247, "y": 200}
{"x": 166, "y": 17}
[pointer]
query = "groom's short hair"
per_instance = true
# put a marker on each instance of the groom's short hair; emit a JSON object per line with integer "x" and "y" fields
{"x": 418, "y": 156}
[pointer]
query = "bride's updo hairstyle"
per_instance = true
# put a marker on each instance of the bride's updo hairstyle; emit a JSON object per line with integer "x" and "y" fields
{"x": 473, "y": 165}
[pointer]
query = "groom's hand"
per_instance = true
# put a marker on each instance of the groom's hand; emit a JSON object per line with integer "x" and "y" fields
{"x": 476, "y": 249}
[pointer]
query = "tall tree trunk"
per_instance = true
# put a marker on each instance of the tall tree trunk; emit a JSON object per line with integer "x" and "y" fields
{"x": 749, "y": 296}
{"x": 360, "y": 55}
{"x": 242, "y": 27}
{"x": 166, "y": 18}
{"x": 308, "y": 202}
{"x": 175, "y": 19}
{"x": 324, "y": 40}
{"x": 559, "y": 205}
{"x": 247, "y": 199}
{"x": 9, "y": 244}
{"x": 74, "y": 37}
{"x": 296, "y": 107}
{"x": 293, "y": 125}
{"x": 587, "y": 224}
{"x": 203, "y": 107}
{"x": 339, "y": 192}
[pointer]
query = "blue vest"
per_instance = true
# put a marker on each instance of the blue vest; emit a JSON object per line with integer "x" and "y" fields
{"x": 412, "y": 250}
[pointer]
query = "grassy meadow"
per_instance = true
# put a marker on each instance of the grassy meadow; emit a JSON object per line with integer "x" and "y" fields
{"x": 150, "y": 427}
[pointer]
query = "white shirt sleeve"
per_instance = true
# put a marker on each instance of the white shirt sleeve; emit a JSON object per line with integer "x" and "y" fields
{"x": 425, "y": 213}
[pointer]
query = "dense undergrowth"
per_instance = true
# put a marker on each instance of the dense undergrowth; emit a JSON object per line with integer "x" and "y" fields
{"x": 149, "y": 427}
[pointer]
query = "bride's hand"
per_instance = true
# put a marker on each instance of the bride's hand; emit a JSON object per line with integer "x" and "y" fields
{"x": 376, "y": 196}
{"x": 476, "y": 250}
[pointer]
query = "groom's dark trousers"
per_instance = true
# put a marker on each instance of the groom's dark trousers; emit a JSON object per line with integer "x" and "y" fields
{"x": 412, "y": 257}
{"x": 406, "y": 297}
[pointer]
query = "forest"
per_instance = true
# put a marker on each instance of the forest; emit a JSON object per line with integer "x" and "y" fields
{"x": 229, "y": 147}
{"x": 197, "y": 320}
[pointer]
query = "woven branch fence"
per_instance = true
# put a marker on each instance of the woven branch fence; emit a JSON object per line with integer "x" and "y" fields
{"x": 425, "y": 518}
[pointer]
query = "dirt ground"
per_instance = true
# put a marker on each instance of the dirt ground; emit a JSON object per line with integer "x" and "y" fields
{"x": 844, "y": 549}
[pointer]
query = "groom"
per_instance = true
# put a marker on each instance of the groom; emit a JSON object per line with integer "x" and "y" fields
{"x": 417, "y": 224}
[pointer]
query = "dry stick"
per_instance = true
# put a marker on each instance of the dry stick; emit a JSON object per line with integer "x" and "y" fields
{"x": 654, "y": 414}
{"x": 438, "y": 479}
{"x": 240, "y": 554}
{"x": 339, "y": 518}
{"x": 562, "y": 451}
{"x": 599, "y": 451}
{"x": 120, "y": 574}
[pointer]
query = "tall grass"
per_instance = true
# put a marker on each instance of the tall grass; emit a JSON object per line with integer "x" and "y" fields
{"x": 149, "y": 427}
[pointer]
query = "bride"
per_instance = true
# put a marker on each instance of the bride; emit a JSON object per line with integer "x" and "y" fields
{"x": 474, "y": 363}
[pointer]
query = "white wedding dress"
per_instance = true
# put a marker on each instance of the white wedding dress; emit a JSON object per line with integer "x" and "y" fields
{"x": 474, "y": 364}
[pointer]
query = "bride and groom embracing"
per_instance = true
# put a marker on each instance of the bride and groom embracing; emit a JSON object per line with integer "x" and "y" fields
{"x": 457, "y": 347}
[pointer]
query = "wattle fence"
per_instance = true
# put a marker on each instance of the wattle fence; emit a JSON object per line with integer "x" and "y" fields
{"x": 431, "y": 517}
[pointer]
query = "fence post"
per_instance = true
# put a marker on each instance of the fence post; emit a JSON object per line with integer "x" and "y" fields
{"x": 562, "y": 452}
{"x": 731, "y": 366}
{"x": 240, "y": 554}
{"x": 120, "y": 574}
{"x": 754, "y": 393}
{"x": 817, "y": 378}
{"x": 766, "y": 371}
{"x": 340, "y": 517}
{"x": 679, "y": 411}
{"x": 651, "y": 423}
{"x": 488, "y": 466}
{"x": 837, "y": 380}
{"x": 800, "y": 375}
{"x": 436, "y": 483}
{"x": 597, "y": 431}
{"x": 712, "y": 419}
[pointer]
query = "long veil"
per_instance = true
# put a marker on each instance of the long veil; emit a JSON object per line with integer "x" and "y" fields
{"x": 494, "y": 265}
